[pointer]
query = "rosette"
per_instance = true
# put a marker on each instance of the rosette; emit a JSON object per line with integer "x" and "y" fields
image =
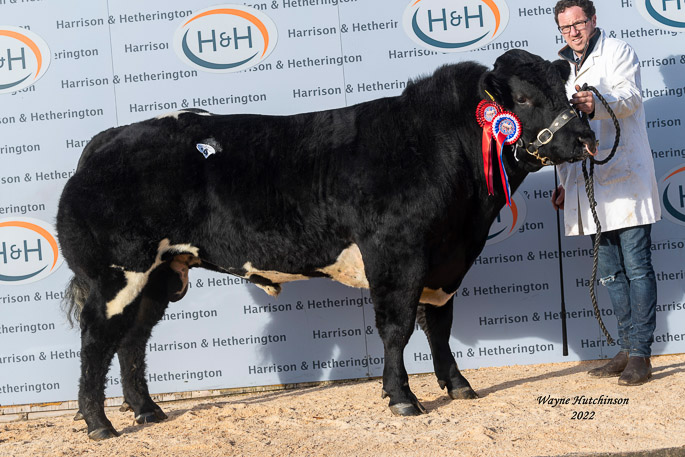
{"x": 486, "y": 111}
{"x": 508, "y": 125}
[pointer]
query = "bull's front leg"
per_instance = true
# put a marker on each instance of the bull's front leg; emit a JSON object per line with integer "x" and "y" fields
{"x": 436, "y": 322}
{"x": 395, "y": 293}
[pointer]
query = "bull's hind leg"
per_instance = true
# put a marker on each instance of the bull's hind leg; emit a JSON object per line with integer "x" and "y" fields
{"x": 395, "y": 295}
{"x": 99, "y": 339}
{"x": 167, "y": 282}
{"x": 131, "y": 355}
{"x": 96, "y": 355}
{"x": 127, "y": 333}
{"x": 436, "y": 322}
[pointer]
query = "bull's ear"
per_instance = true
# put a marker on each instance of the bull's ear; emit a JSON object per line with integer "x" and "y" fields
{"x": 494, "y": 85}
{"x": 563, "y": 67}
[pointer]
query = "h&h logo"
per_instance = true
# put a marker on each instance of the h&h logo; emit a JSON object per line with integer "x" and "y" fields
{"x": 672, "y": 190}
{"x": 667, "y": 14}
{"x": 449, "y": 26}
{"x": 28, "y": 251}
{"x": 225, "y": 38}
{"x": 24, "y": 58}
{"x": 509, "y": 220}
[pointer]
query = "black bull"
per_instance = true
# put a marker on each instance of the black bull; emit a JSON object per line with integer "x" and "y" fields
{"x": 389, "y": 195}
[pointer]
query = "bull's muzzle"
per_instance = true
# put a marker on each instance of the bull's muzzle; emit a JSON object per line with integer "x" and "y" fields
{"x": 546, "y": 135}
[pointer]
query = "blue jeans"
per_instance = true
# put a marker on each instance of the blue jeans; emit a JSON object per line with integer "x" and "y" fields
{"x": 625, "y": 268}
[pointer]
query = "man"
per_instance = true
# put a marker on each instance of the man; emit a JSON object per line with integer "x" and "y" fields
{"x": 625, "y": 187}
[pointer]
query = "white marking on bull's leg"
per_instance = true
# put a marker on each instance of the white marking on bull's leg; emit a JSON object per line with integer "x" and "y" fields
{"x": 348, "y": 268}
{"x": 134, "y": 284}
{"x": 135, "y": 281}
{"x": 435, "y": 297}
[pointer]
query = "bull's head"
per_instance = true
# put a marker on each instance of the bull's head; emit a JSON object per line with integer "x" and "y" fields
{"x": 534, "y": 90}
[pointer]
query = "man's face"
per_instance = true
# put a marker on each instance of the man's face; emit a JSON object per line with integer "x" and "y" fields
{"x": 577, "y": 37}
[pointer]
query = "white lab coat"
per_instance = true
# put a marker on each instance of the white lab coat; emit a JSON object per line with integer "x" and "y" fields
{"x": 625, "y": 188}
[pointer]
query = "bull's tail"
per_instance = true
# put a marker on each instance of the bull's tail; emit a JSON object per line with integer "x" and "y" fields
{"x": 74, "y": 299}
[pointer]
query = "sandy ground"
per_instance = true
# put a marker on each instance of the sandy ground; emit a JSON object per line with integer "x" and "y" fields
{"x": 350, "y": 419}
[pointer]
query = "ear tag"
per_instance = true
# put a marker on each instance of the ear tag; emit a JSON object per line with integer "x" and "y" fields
{"x": 205, "y": 149}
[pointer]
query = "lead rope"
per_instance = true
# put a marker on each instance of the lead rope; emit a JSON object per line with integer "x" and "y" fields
{"x": 590, "y": 191}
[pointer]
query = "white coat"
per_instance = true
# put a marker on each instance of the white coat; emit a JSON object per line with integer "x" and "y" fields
{"x": 625, "y": 188}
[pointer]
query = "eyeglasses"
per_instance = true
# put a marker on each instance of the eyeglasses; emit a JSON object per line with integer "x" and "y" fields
{"x": 580, "y": 25}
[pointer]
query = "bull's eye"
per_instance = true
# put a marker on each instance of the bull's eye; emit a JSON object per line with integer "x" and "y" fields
{"x": 522, "y": 100}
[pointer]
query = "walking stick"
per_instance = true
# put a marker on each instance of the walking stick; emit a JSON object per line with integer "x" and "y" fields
{"x": 564, "y": 335}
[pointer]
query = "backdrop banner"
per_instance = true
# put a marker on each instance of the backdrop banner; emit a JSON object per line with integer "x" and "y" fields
{"x": 71, "y": 69}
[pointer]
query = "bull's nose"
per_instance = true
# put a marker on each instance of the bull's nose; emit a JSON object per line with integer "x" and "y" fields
{"x": 590, "y": 145}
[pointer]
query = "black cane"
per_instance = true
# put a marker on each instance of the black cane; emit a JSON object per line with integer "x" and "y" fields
{"x": 564, "y": 335}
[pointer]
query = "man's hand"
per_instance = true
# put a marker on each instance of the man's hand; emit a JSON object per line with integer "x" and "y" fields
{"x": 583, "y": 101}
{"x": 558, "y": 197}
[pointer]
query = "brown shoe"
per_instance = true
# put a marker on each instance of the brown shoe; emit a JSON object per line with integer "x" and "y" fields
{"x": 637, "y": 372}
{"x": 614, "y": 368}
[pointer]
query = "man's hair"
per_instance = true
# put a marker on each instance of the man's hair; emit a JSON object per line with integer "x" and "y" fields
{"x": 586, "y": 5}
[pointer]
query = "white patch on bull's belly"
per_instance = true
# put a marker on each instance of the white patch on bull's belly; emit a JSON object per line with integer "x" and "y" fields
{"x": 275, "y": 277}
{"x": 348, "y": 269}
{"x": 435, "y": 297}
{"x": 135, "y": 281}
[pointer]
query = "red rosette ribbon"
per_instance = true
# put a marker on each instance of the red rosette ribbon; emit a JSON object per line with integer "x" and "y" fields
{"x": 486, "y": 111}
{"x": 506, "y": 129}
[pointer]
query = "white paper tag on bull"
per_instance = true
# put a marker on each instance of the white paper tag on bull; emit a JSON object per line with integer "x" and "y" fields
{"x": 205, "y": 149}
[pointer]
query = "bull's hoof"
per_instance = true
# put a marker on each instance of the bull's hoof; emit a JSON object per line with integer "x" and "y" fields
{"x": 415, "y": 408}
{"x": 125, "y": 407}
{"x": 78, "y": 416}
{"x": 156, "y": 416}
{"x": 408, "y": 409}
{"x": 462, "y": 393}
{"x": 103, "y": 434}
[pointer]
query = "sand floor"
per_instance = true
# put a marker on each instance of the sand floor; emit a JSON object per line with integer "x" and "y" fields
{"x": 351, "y": 419}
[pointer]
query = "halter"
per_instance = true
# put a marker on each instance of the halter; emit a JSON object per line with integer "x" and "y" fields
{"x": 545, "y": 135}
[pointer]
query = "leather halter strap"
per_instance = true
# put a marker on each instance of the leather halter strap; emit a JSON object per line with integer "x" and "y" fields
{"x": 546, "y": 135}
